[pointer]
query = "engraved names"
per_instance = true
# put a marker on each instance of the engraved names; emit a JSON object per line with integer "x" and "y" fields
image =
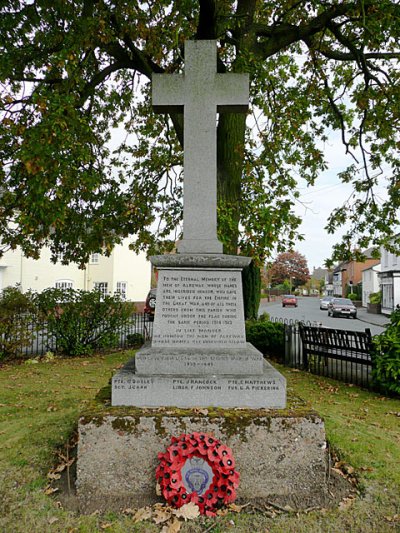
{"x": 208, "y": 390}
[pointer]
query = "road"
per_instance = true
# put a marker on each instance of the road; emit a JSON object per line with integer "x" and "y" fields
{"x": 308, "y": 310}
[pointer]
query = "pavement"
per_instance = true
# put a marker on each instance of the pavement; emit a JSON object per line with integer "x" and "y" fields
{"x": 372, "y": 318}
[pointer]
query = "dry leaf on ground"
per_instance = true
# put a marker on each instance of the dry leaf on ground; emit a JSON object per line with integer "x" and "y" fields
{"x": 200, "y": 411}
{"x": 161, "y": 516}
{"x": 142, "y": 514}
{"x": 50, "y": 490}
{"x": 52, "y": 475}
{"x": 129, "y": 511}
{"x": 346, "y": 503}
{"x": 237, "y": 508}
{"x": 189, "y": 511}
{"x": 173, "y": 527}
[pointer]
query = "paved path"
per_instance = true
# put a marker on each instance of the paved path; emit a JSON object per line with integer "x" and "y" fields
{"x": 372, "y": 318}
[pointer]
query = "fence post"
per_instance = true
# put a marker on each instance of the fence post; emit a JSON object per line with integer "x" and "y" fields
{"x": 287, "y": 333}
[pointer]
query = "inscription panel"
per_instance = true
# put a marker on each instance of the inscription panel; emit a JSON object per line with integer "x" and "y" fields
{"x": 199, "y": 308}
{"x": 267, "y": 390}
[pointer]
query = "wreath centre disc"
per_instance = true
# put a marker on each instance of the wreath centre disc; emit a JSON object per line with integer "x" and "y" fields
{"x": 197, "y": 475}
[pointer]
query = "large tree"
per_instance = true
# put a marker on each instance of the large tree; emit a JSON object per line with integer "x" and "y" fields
{"x": 73, "y": 70}
{"x": 289, "y": 266}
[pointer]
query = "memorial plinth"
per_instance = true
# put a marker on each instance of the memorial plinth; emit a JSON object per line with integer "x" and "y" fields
{"x": 199, "y": 355}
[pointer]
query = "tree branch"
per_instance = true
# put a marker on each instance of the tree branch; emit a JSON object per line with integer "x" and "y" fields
{"x": 282, "y": 35}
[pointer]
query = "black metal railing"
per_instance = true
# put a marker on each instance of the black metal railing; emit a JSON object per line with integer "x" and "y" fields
{"x": 32, "y": 338}
{"x": 338, "y": 354}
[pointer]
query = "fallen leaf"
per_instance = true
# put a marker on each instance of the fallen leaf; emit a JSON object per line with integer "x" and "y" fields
{"x": 53, "y": 520}
{"x": 392, "y": 519}
{"x": 50, "y": 490}
{"x": 161, "y": 516}
{"x": 236, "y": 508}
{"x": 201, "y": 411}
{"x": 142, "y": 514}
{"x": 106, "y": 525}
{"x": 189, "y": 511}
{"x": 52, "y": 475}
{"x": 158, "y": 489}
{"x": 222, "y": 512}
{"x": 129, "y": 511}
{"x": 173, "y": 527}
{"x": 346, "y": 503}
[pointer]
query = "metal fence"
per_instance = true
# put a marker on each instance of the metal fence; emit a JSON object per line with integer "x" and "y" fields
{"x": 339, "y": 354}
{"x": 32, "y": 337}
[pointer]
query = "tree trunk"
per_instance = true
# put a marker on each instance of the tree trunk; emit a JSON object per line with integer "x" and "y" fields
{"x": 230, "y": 158}
{"x": 251, "y": 278}
{"x": 230, "y": 155}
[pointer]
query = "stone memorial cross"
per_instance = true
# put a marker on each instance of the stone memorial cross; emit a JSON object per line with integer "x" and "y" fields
{"x": 200, "y": 93}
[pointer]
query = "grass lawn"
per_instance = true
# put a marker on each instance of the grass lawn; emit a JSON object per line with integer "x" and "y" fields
{"x": 40, "y": 404}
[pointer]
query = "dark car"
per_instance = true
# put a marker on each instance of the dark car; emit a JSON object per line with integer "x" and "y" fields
{"x": 150, "y": 305}
{"x": 342, "y": 307}
{"x": 289, "y": 299}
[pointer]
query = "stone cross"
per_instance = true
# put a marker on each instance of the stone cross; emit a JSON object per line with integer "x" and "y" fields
{"x": 200, "y": 93}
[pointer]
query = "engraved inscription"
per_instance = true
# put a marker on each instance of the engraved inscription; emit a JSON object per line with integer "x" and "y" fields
{"x": 199, "y": 308}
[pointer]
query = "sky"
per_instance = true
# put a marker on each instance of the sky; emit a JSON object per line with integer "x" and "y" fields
{"x": 317, "y": 202}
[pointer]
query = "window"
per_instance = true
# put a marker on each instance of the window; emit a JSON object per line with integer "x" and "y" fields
{"x": 387, "y": 295}
{"x": 94, "y": 259}
{"x": 102, "y": 287}
{"x": 64, "y": 284}
{"x": 121, "y": 289}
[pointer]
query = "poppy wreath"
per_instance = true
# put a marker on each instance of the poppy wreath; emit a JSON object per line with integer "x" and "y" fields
{"x": 197, "y": 468}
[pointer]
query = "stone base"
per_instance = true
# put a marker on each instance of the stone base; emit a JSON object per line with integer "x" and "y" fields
{"x": 266, "y": 390}
{"x": 280, "y": 458}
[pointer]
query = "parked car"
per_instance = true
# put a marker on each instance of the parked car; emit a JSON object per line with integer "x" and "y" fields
{"x": 342, "y": 307}
{"x": 289, "y": 299}
{"x": 150, "y": 305}
{"x": 323, "y": 303}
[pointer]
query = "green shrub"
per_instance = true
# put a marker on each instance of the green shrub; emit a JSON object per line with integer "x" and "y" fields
{"x": 386, "y": 356}
{"x": 135, "y": 340}
{"x": 83, "y": 321}
{"x": 375, "y": 297}
{"x": 352, "y": 296}
{"x": 17, "y": 313}
{"x": 268, "y": 337}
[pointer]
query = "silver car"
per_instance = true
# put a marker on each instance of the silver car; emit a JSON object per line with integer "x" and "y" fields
{"x": 324, "y": 302}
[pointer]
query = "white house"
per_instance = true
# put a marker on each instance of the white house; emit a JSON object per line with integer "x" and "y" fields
{"x": 124, "y": 272}
{"x": 337, "y": 283}
{"x": 390, "y": 281}
{"x": 370, "y": 282}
